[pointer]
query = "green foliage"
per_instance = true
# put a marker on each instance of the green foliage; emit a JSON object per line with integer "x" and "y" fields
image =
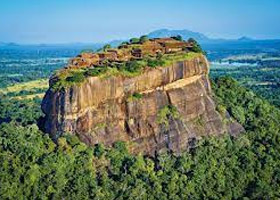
{"x": 125, "y": 43}
{"x": 246, "y": 167}
{"x": 96, "y": 71}
{"x": 143, "y": 39}
{"x": 155, "y": 62}
{"x": 262, "y": 79}
{"x": 25, "y": 65}
{"x": 67, "y": 78}
{"x": 134, "y": 41}
{"x": 168, "y": 59}
{"x": 178, "y": 37}
{"x": 99, "y": 150}
{"x": 135, "y": 96}
{"x": 166, "y": 113}
{"x": 199, "y": 121}
{"x": 87, "y": 51}
{"x": 76, "y": 77}
{"x": 196, "y": 47}
{"x": 22, "y": 112}
{"x": 238, "y": 113}
{"x": 133, "y": 66}
{"x": 121, "y": 147}
{"x": 106, "y": 46}
{"x": 33, "y": 167}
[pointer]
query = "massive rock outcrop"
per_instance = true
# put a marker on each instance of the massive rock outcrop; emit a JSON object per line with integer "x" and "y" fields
{"x": 164, "y": 108}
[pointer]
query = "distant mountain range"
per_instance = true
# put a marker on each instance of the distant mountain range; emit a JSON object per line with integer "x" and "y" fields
{"x": 186, "y": 34}
{"x": 246, "y": 39}
{"x": 201, "y": 38}
{"x": 8, "y": 44}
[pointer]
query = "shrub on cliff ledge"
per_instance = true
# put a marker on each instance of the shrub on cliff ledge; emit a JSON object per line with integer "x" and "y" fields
{"x": 196, "y": 47}
{"x": 155, "y": 62}
{"x": 95, "y": 71}
{"x": 166, "y": 113}
{"x": 132, "y": 68}
{"x": 135, "y": 96}
{"x": 76, "y": 77}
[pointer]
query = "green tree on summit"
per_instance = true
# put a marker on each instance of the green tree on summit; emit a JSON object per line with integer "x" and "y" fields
{"x": 134, "y": 40}
{"x": 196, "y": 47}
{"x": 144, "y": 38}
{"x": 178, "y": 37}
{"x": 106, "y": 46}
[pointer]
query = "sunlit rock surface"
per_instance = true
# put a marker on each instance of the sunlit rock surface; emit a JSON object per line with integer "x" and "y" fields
{"x": 103, "y": 110}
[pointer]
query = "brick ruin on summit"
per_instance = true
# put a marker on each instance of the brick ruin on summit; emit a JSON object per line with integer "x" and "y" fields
{"x": 126, "y": 52}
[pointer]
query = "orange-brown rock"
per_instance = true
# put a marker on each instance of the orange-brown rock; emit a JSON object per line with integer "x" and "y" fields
{"x": 84, "y": 60}
{"x": 103, "y": 110}
{"x": 124, "y": 53}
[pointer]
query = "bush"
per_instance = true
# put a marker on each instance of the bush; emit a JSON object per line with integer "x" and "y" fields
{"x": 99, "y": 150}
{"x": 155, "y": 62}
{"x": 238, "y": 113}
{"x": 77, "y": 77}
{"x": 107, "y": 46}
{"x": 196, "y": 47}
{"x": 134, "y": 40}
{"x": 178, "y": 37}
{"x": 96, "y": 71}
{"x": 125, "y": 43}
{"x": 137, "y": 95}
{"x": 134, "y": 96}
{"x": 144, "y": 38}
{"x": 166, "y": 113}
{"x": 133, "y": 66}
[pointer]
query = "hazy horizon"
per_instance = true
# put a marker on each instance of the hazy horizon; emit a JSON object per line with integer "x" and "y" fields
{"x": 53, "y": 22}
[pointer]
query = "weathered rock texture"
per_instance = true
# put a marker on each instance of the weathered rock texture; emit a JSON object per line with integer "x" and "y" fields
{"x": 102, "y": 110}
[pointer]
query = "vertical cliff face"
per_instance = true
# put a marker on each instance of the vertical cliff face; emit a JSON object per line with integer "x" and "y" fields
{"x": 164, "y": 108}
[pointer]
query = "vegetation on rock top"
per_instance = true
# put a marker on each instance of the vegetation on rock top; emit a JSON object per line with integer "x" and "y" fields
{"x": 70, "y": 77}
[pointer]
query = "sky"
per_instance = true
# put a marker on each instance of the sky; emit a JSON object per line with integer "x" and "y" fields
{"x": 64, "y": 21}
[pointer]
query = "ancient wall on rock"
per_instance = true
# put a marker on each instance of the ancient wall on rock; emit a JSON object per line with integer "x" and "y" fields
{"x": 105, "y": 111}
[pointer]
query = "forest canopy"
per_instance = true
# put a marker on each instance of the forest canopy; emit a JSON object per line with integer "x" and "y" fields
{"x": 245, "y": 167}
